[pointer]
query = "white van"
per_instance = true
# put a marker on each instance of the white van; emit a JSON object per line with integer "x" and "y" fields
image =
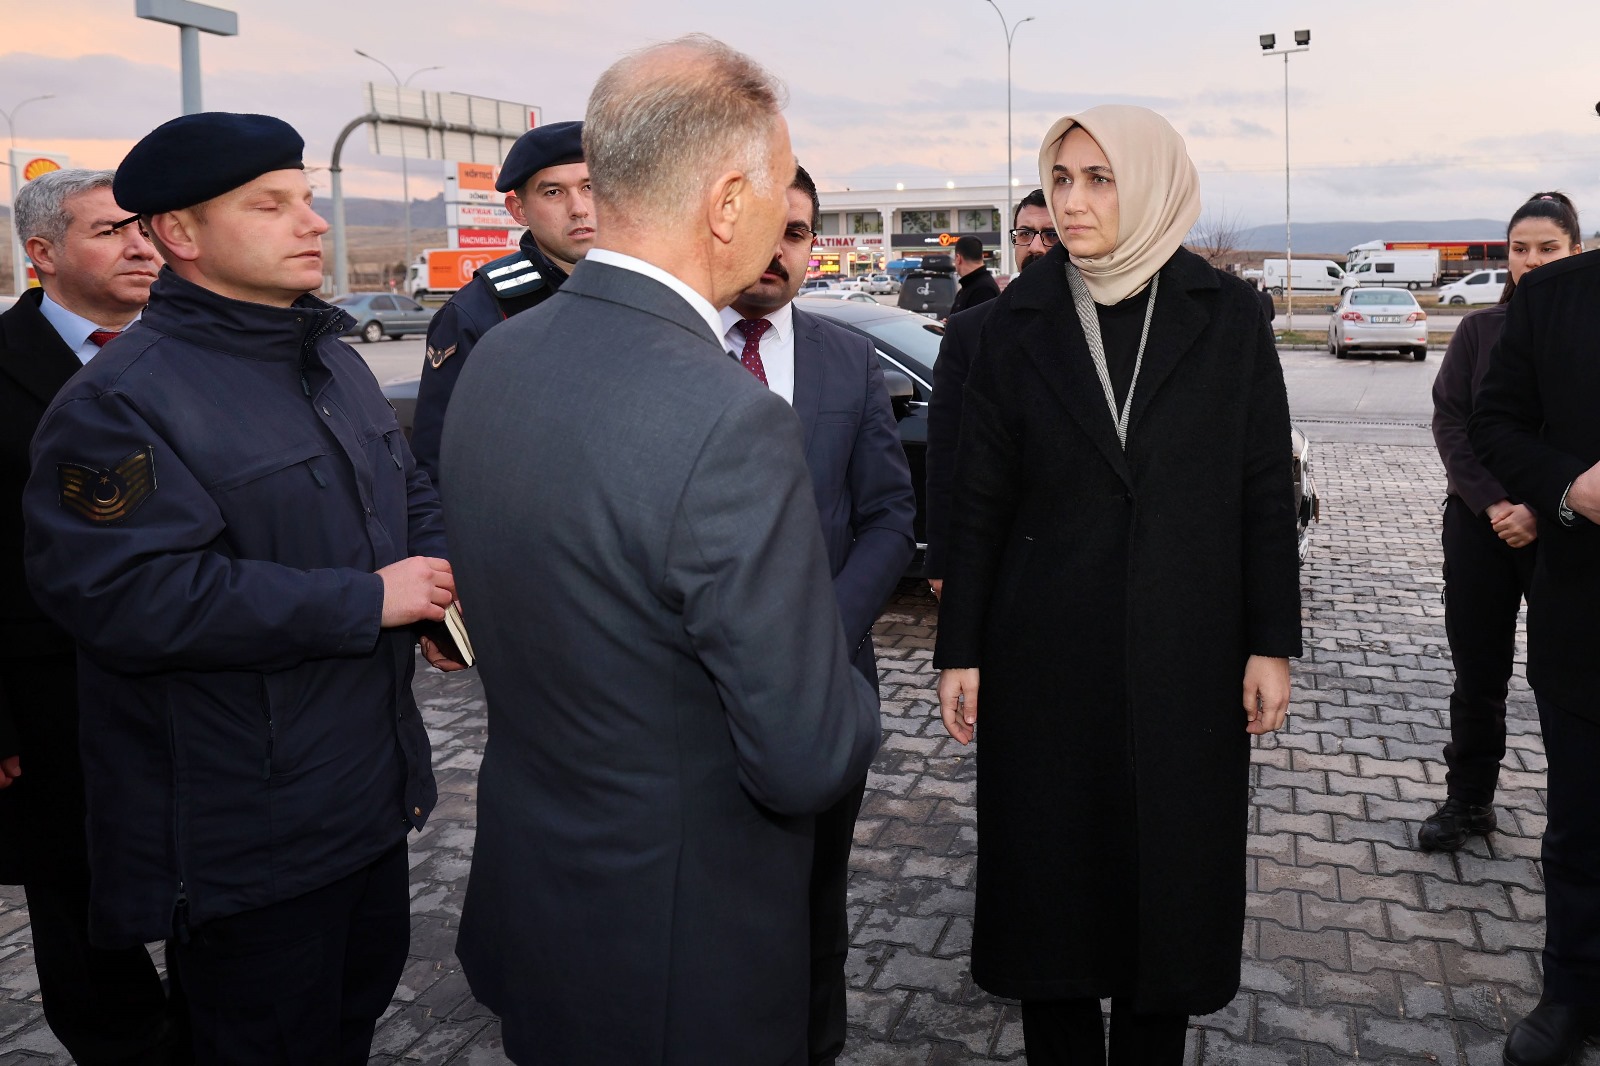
{"x": 1478, "y": 287}
{"x": 1310, "y": 275}
{"x": 1418, "y": 269}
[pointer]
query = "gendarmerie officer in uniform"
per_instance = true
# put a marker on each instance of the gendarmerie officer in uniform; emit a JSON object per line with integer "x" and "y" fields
{"x": 225, "y": 517}
{"x": 546, "y": 183}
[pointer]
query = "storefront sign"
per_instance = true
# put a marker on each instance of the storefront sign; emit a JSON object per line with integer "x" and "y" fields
{"x": 858, "y": 240}
{"x": 936, "y": 241}
{"x": 486, "y": 238}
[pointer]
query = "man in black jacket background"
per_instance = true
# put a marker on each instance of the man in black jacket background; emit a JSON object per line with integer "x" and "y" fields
{"x": 977, "y": 285}
{"x": 104, "y": 1005}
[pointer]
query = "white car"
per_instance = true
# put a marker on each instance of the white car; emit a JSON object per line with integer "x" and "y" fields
{"x": 851, "y": 284}
{"x": 1478, "y": 287}
{"x": 853, "y": 295}
{"x": 1378, "y": 318}
{"x": 881, "y": 285}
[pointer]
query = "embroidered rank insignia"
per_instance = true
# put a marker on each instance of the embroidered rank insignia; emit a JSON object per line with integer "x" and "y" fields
{"x": 108, "y": 495}
{"x": 437, "y": 356}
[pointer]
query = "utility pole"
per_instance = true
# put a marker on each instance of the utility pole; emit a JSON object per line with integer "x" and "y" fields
{"x": 405, "y": 174}
{"x": 1008, "y": 251}
{"x": 1302, "y": 38}
{"x": 191, "y": 19}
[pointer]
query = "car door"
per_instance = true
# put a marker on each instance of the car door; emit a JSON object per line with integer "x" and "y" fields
{"x": 411, "y": 317}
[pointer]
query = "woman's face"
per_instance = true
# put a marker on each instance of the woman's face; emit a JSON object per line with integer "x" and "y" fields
{"x": 1536, "y": 241}
{"x": 1083, "y": 193}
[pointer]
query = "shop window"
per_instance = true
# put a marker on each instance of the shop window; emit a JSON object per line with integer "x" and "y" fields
{"x": 980, "y": 220}
{"x": 924, "y": 221}
{"x": 865, "y": 222}
{"x": 830, "y": 224}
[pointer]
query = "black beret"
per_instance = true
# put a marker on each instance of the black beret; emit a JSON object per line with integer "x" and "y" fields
{"x": 540, "y": 147}
{"x": 197, "y": 157}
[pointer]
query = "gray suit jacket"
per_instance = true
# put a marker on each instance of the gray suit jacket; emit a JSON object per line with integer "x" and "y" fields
{"x": 670, "y": 693}
{"x": 858, "y": 473}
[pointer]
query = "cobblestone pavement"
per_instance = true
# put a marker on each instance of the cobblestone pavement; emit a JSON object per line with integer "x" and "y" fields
{"x": 1357, "y": 948}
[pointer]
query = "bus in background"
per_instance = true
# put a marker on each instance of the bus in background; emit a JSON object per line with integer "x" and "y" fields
{"x": 899, "y": 268}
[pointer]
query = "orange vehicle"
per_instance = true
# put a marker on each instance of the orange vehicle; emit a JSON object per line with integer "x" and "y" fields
{"x": 441, "y": 271}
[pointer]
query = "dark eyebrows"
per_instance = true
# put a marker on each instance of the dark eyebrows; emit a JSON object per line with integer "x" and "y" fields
{"x": 1094, "y": 168}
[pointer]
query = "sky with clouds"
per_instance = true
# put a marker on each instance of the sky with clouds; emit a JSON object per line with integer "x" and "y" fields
{"x": 1403, "y": 109}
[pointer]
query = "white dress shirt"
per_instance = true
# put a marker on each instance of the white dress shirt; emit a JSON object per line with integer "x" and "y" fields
{"x": 701, "y": 305}
{"x": 74, "y": 329}
{"x": 777, "y": 347}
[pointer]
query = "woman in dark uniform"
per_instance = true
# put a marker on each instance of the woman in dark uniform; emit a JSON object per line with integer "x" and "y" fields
{"x": 1123, "y": 577}
{"x": 1488, "y": 540}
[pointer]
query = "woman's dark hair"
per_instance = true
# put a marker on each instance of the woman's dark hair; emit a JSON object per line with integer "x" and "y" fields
{"x": 1558, "y": 209}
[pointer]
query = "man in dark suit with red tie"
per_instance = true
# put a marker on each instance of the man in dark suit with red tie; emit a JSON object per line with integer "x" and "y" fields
{"x": 95, "y": 268}
{"x": 832, "y": 379}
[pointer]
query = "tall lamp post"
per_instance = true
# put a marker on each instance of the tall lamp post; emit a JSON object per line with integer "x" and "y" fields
{"x": 19, "y": 273}
{"x": 1302, "y": 40}
{"x": 1008, "y": 253}
{"x": 405, "y": 173}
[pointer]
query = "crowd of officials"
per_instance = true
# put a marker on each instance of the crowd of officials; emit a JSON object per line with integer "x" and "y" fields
{"x": 670, "y": 504}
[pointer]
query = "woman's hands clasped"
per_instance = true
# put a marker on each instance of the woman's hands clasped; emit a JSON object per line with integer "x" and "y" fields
{"x": 958, "y": 702}
{"x": 1266, "y": 693}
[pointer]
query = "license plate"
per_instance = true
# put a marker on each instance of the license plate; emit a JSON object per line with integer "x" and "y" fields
{"x": 1385, "y": 319}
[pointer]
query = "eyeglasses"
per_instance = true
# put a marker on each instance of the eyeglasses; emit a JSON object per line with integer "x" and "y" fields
{"x": 798, "y": 234}
{"x": 1023, "y": 236}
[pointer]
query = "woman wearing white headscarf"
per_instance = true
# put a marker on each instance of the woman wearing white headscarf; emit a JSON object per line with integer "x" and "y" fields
{"x": 1123, "y": 578}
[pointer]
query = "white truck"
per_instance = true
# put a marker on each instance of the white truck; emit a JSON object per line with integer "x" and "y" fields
{"x": 1415, "y": 268}
{"x": 1310, "y": 275}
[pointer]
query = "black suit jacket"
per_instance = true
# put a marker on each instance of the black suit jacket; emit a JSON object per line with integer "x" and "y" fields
{"x": 1536, "y": 426}
{"x": 858, "y": 473}
{"x": 950, "y": 371}
{"x": 42, "y": 813}
{"x": 978, "y": 287}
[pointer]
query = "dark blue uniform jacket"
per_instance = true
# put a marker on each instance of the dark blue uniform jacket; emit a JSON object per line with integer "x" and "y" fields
{"x": 210, "y": 498}
{"x": 458, "y": 326}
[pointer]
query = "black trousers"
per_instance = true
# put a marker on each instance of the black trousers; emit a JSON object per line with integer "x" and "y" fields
{"x": 105, "y": 1006}
{"x": 830, "y": 926}
{"x": 1571, "y": 857}
{"x": 1068, "y": 1032}
{"x": 301, "y": 982}
{"x": 1484, "y": 583}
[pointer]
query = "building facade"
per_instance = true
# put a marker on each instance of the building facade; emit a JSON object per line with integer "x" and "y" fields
{"x": 864, "y": 229}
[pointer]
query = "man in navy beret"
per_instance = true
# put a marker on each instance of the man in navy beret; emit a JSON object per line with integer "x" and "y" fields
{"x": 224, "y": 516}
{"x": 546, "y": 183}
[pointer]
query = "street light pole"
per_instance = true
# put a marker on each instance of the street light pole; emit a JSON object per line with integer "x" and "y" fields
{"x": 192, "y": 19}
{"x": 19, "y": 273}
{"x": 1302, "y": 39}
{"x": 1008, "y": 252}
{"x": 405, "y": 172}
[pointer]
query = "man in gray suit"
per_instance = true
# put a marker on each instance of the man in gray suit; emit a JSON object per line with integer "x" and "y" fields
{"x": 862, "y": 484}
{"x": 671, "y": 695}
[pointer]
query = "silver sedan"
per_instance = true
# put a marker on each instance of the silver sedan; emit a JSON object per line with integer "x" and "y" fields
{"x": 1378, "y": 319}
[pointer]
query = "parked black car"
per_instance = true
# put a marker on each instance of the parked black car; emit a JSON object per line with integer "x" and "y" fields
{"x": 380, "y": 314}
{"x": 907, "y": 344}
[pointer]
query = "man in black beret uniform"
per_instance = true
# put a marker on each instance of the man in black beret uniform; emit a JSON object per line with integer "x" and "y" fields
{"x": 546, "y": 183}
{"x": 224, "y": 516}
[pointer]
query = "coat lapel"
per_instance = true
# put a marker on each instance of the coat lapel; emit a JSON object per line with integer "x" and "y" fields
{"x": 807, "y": 372}
{"x": 32, "y": 353}
{"x": 1178, "y": 322}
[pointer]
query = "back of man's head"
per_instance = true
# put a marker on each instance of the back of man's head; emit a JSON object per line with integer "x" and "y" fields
{"x": 663, "y": 122}
{"x": 970, "y": 248}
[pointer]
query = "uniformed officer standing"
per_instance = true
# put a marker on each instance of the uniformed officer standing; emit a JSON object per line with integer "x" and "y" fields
{"x": 224, "y": 515}
{"x": 546, "y": 183}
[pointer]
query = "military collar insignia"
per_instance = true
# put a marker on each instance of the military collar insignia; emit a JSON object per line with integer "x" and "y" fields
{"x": 108, "y": 495}
{"x": 512, "y": 276}
{"x": 437, "y": 356}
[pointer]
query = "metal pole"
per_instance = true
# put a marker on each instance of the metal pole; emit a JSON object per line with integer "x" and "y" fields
{"x": 189, "y": 53}
{"x": 19, "y": 272}
{"x": 1288, "y": 242}
{"x": 405, "y": 171}
{"x": 1008, "y": 251}
{"x": 341, "y": 256}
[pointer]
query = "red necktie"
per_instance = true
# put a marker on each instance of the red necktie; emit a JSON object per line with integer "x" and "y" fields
{"x": 101, "y": 337}
{"x": 750, "y": 358}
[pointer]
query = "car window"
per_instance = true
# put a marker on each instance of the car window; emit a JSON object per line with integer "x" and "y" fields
{"x": 383, "y": 303}
{"x": 347, "y": 301}
{"x": 918, "y": 337}
{"x": 407, "y": 304}
{"x": 1383, "y": 268}
{"x": 1502, "y": 276}
{"x": 1382, "y": 298}
{"x": 1478, "y": 278}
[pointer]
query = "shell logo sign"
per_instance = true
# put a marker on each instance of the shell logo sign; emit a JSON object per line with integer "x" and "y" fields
{"x": 35, "y": 167}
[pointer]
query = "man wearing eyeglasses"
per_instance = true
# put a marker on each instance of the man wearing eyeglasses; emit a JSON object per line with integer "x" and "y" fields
{"x": 1032, "y": 235}
{"x": 865, "y": 499}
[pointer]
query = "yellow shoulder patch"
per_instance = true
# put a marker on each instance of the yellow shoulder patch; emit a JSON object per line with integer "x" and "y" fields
{"x": 108, "y": 495}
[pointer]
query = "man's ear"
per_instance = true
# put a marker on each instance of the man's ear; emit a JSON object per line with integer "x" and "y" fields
{"x": 514, "y": 206}
{"x": 43, "y": 254}
{"x": 176, "y": 234}
{"x": 727, "y": 203}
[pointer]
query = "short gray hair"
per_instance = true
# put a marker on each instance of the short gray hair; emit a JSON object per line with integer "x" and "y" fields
{"x": 41, "y": 207}
{"x": 662, "y": 121}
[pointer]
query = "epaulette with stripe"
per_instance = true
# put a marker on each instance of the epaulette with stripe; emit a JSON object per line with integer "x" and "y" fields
{"x": 512, "y": 276}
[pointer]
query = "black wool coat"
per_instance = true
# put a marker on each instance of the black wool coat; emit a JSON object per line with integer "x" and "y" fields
{"x": 1110, "y": 600}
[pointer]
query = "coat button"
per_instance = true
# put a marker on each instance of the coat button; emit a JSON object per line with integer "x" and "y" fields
{"x": 417, "y": 811}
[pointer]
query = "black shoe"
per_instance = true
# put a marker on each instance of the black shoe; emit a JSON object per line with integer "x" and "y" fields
{"x": 1447, "y": 828}
{"x": 1551, "y": 1035}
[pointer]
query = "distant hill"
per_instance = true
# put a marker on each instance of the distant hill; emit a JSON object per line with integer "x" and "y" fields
{"x": 365, "y": 211}
{"x": 1337, "y": 238}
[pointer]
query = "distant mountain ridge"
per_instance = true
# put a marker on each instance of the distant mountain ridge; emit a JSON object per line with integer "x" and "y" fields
{"x": 1337, "y": 238}
{"x": 368, "y": 211}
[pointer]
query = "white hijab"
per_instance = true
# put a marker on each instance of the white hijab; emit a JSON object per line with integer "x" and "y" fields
{"x": 1158, "y": 194}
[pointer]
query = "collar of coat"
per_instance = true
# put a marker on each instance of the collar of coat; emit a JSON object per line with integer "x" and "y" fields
{"x": 1044, "y": 323}
{"x": 32, "y": 353}
{"x": 190, "y": 313}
